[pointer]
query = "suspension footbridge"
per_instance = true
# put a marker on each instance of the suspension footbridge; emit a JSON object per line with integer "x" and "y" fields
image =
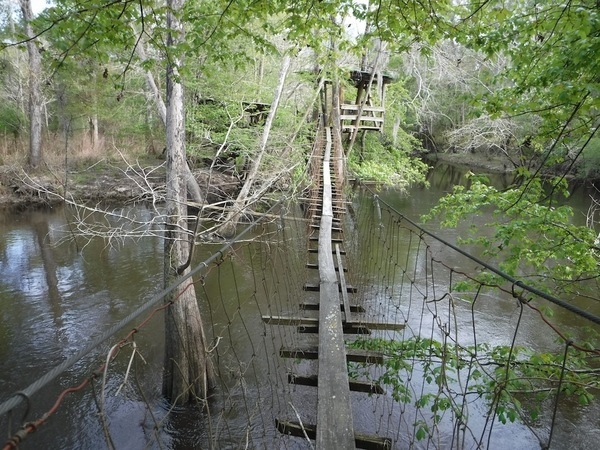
{"x": 346, "y": 328}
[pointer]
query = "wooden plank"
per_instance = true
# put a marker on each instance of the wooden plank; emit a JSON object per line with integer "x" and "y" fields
{"x": 356, "y": 327}
{"x": 338, "y": 230}
{"x": 355, "y": 385}
{"x": 316, "y": 250}
{"x": 334, "y": 409}
{"x": 361, "y": 440}
{"x": 318, "y": 208}
{"x": 336, "y": 220}
{"x": 363, "y": 118}
{"x": 361, "y": 127}
{"x": 310, "y": 200}
{"x": 316, "y": 266}
{"x": 309, "y": 306}
{"x": 354, "y": 107}
{"x": 352, "y": 355}
{"x": 333, "y": 240}
{"x": 348, "y": 328}
{"x": 381, "y": 325}
{"x": 310, "y": 287}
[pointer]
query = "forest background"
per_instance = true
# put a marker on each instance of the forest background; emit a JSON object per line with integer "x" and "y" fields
{"x": 513, "y": 85}
{"x": 82, "y": 88}
{"x": 514, "y": 82}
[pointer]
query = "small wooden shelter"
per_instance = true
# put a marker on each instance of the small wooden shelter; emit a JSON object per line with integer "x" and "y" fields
{"x": 360, "y": 114}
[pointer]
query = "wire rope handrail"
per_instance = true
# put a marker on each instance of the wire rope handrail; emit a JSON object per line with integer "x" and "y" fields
{"x": 516, "y": 282}
{"x": 25, "y": 394}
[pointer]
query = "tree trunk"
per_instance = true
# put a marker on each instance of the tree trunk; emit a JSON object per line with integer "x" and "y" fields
{"x": 395, "y": 131}
{"x": 93, "y": 122}
{"x": 187, "y": 370}
{"x": 191, "y": 182}
{"x": 35, "y": 96}
{"x": 230, "y": 225}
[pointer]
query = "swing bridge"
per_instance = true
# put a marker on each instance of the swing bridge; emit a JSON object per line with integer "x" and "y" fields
{"x": 344, "y": 328}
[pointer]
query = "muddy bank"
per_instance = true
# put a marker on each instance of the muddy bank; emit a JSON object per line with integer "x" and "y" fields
{"x": 100, "y": 183}
{"x": 482, "y": 163}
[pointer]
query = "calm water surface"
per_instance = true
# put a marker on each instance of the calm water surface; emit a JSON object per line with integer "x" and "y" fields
{"x": 56, "y": 295}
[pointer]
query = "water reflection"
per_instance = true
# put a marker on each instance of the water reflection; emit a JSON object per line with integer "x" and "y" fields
{"x": 56, "y": 295}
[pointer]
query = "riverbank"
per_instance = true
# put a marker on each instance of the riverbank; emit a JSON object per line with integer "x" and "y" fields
{"x": 121, "y": 182}
{"x": 100, "y": 182}
{"x": 482, "y": 163}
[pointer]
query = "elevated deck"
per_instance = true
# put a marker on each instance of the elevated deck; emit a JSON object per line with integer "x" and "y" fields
{"x": 371, "y": 118}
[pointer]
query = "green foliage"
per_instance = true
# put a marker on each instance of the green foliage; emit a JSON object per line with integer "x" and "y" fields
{"x": 531, "y": 237}
{"x": 388, "y": 165}
{"x": 589, "y": 167}
{"x": 11, "y": 120}
{"x": 501, "y": 376}
{"x": 552, "y": 49}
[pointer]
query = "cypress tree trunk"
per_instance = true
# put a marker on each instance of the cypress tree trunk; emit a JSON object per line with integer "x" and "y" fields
{"x": 187, "y": 367}
{"x": 192, "y": 185}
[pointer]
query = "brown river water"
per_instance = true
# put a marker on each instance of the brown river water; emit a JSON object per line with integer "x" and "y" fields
{"x": 56, "y": 296}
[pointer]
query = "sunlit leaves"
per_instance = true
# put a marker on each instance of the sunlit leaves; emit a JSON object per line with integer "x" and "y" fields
{"x": 532, "y": 235}
{"x": 552, "y": 46}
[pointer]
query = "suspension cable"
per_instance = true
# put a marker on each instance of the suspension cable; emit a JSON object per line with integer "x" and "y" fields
{"x": 18, "y": 397}
{"x": 563, "y": 304}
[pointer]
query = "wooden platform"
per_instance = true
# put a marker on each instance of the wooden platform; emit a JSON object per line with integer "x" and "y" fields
{"x": 371, "y": 118}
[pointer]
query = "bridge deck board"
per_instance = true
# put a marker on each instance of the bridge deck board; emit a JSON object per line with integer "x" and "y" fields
{"x": 334, "y": 409}
{"x": 352, "y": 355}
{"x": 361, "y": 440}
{"x": 355, "y": 385}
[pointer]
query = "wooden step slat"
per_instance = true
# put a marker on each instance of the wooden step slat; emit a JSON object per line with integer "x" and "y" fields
{"x": 355, "y": 385}
{"x": 333, "y": 240}
{"x": 361, "y": 440}
{"x": 347, "y": 328}
{"x": 309, "y": 306}
{"x": 310, "y": 287}
{"x": 352, "y": 355}
{"x": 334, "y": 229}
{"x": 316, "y": 266}
{"x": 311, "y": 324}
{"x": 286, "y": 320}
{"x": 316, "y": 250}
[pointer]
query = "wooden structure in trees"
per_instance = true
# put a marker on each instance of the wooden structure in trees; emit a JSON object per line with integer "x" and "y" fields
{"x": 371, "y": 118}
{"x": 257, "y": 112}
{"x": 363, "y": 115}
{"x": 360, "y": 114}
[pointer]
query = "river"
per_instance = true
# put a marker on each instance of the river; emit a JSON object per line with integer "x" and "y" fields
{"x": 58, "y": 294}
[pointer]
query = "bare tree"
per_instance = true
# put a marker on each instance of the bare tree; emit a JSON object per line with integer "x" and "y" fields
{"x": 241, "y": 202}
{"x": 485, "y": 133}
{"x": 35, "y": 96}
{"x": 187, "y": 367}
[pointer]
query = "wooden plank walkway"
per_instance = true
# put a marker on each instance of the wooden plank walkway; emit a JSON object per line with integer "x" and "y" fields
{"x": 334, "y": 316}
{"x": 334, "y": 410}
